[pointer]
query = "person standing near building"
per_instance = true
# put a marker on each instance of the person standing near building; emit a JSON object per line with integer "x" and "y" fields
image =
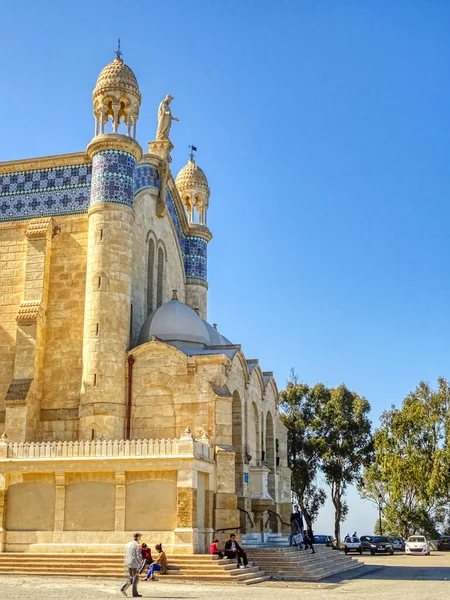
{"x": 132, "y": 561}
{"x": 296, "y": 523}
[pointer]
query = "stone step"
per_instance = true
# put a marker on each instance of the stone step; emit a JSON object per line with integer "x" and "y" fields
{"x": 315, "y": 574}
{"x": 100, "y": 556}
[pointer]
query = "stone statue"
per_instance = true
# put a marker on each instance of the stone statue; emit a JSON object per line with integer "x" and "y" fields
{"x": 164, "y": 119}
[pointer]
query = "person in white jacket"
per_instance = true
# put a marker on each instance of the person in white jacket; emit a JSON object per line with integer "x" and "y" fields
{"x": 132, "y": 561}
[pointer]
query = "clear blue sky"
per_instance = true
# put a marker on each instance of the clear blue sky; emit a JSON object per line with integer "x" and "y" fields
{"x": 324, "y": 130}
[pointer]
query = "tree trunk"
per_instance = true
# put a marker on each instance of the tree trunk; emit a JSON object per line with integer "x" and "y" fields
{"x": 337, "y": 528}
{"x": 306, "y": 516}
{"x": 336, "y": 499}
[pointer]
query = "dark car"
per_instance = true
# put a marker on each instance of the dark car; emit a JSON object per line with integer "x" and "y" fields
{"x": 443, "y": 543}
{"x": 366, "y": 541}
{"x": 381, "y": 544}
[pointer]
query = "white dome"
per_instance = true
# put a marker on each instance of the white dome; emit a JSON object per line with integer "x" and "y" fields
{"x": 175, "y": 322}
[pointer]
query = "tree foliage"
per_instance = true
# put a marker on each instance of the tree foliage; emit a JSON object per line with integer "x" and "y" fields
{"x": 411, "y": 469}
{"x": 344, "y": 430}
{"x": 328, "y": 430}
{"x": 304, "y": 448}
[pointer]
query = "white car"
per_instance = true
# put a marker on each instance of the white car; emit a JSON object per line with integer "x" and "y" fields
{"x": 417, "y": 544}
{"x": 352, "y": 544}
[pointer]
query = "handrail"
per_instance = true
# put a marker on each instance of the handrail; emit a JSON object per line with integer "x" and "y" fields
{"x": 228, "y": 529}
{"x": 272, "y": 512}
{"x": 248, "y": 515}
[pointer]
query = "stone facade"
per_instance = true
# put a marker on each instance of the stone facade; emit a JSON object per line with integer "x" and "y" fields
{"x": 113, "y": 396}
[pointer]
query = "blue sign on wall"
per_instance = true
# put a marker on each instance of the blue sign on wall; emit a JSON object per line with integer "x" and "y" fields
{"x": 245, "y": 477}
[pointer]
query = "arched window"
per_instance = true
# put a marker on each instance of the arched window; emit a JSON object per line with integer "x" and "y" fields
{"x": 150, "y": 271}
{"x": 160, "y": 276}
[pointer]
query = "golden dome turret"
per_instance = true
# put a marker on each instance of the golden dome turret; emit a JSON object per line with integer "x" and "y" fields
{"x": 116, "y": 96}
{"x": 194, "y": 191}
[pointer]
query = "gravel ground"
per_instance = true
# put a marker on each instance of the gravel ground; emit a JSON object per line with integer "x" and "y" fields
{"x": 384, "y": 577}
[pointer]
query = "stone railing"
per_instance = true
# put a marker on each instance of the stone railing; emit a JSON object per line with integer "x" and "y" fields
{"x": 186, "y": 445}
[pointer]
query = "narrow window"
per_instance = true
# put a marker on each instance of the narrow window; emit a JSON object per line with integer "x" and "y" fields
{"x": 96, "y": 329}
{"x": 92, "y": 434}
{"x": 150, "y": 271}
{"x": 159, "y": 292}
{"x": 95, "y": 379}
{"x": 99, "y": 283}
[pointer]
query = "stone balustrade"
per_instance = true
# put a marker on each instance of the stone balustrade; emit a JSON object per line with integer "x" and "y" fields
{"x": 186, "y": 445}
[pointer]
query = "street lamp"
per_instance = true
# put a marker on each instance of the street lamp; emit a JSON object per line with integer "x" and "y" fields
{"x": 380, "y": 500}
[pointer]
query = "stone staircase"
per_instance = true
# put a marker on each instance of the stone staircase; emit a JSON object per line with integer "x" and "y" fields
{"x": 183, "y": 568}
{"x": 291, "y": 564}
{"x": 272, "y": 540}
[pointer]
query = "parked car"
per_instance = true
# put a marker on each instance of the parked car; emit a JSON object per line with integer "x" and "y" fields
{"x": 321, "y": 539}
{"x": 417, "y": 544}
{"x": 398, "y": 543}
{"x": 381, "y": 544}
{"x": 443, "y": 542}
{"x": 352, "y": 544}
{"x": 366, "y": 541}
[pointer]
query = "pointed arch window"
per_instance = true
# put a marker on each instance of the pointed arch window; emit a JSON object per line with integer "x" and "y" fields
{"x": 150, "y": 272}
{"x": 160, "y": 278}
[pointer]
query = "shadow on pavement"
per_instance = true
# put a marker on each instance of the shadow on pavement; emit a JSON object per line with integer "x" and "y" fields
{"x": 394, "y": 573}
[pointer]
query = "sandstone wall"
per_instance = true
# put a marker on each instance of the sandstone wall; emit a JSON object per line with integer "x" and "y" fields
{"x": 148, "y": 225}
{"x": 12, "y": 271}
{"x": 65, "y": 318}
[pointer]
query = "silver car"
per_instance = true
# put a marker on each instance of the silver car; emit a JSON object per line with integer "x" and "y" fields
{"x": 398, "y": 543}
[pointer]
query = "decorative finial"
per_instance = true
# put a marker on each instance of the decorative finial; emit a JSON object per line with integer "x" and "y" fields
{"x": 118, "y": 52}
{"x": 174, "y": 295}
{"x": 191, "y": 155}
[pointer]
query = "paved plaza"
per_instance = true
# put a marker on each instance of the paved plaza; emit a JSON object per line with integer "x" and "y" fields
{"x": 384, "y": 577}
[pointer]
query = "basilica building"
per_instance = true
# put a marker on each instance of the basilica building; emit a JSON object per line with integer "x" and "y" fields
{"x": 121, "y": 407}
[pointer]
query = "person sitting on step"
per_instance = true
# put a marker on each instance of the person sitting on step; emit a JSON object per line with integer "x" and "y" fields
{"x": 147, "y": 559}
{"x": 233, "y": 550}
{"x": 159, "y": 564}
{"x": 214, "y": 549}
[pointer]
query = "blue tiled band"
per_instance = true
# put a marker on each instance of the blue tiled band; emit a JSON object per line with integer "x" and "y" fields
{"x": 45, "y": 192}
{"x": 113, "y": 177}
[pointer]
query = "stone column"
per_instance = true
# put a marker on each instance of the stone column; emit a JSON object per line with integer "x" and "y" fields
{"x": 120, "y": 501}
{"x": 60, "y": 501}
{"x": 226, "y": 514}
{"x": 108, "y": 286}
{"x": 3, "y": 486}
{"x": 186, "y": 530}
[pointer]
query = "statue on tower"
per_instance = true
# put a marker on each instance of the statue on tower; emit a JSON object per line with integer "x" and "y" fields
{"x": 164, "y": 119}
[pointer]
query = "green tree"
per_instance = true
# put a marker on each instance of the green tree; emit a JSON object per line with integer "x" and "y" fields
{"x": 345, "y": 440}
{"x": 304, "y": 447}
{"x": 411, "y": 469}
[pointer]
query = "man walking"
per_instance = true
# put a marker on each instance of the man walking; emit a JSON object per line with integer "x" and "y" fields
{"x": 132, "y": 561}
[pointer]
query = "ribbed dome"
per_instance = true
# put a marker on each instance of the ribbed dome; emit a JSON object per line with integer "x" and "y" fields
{"x": 116, "y": 75}
{"x": 216, "y": 338}
{"x": 174, "y": 322}
{"x": 191, "y": 178}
